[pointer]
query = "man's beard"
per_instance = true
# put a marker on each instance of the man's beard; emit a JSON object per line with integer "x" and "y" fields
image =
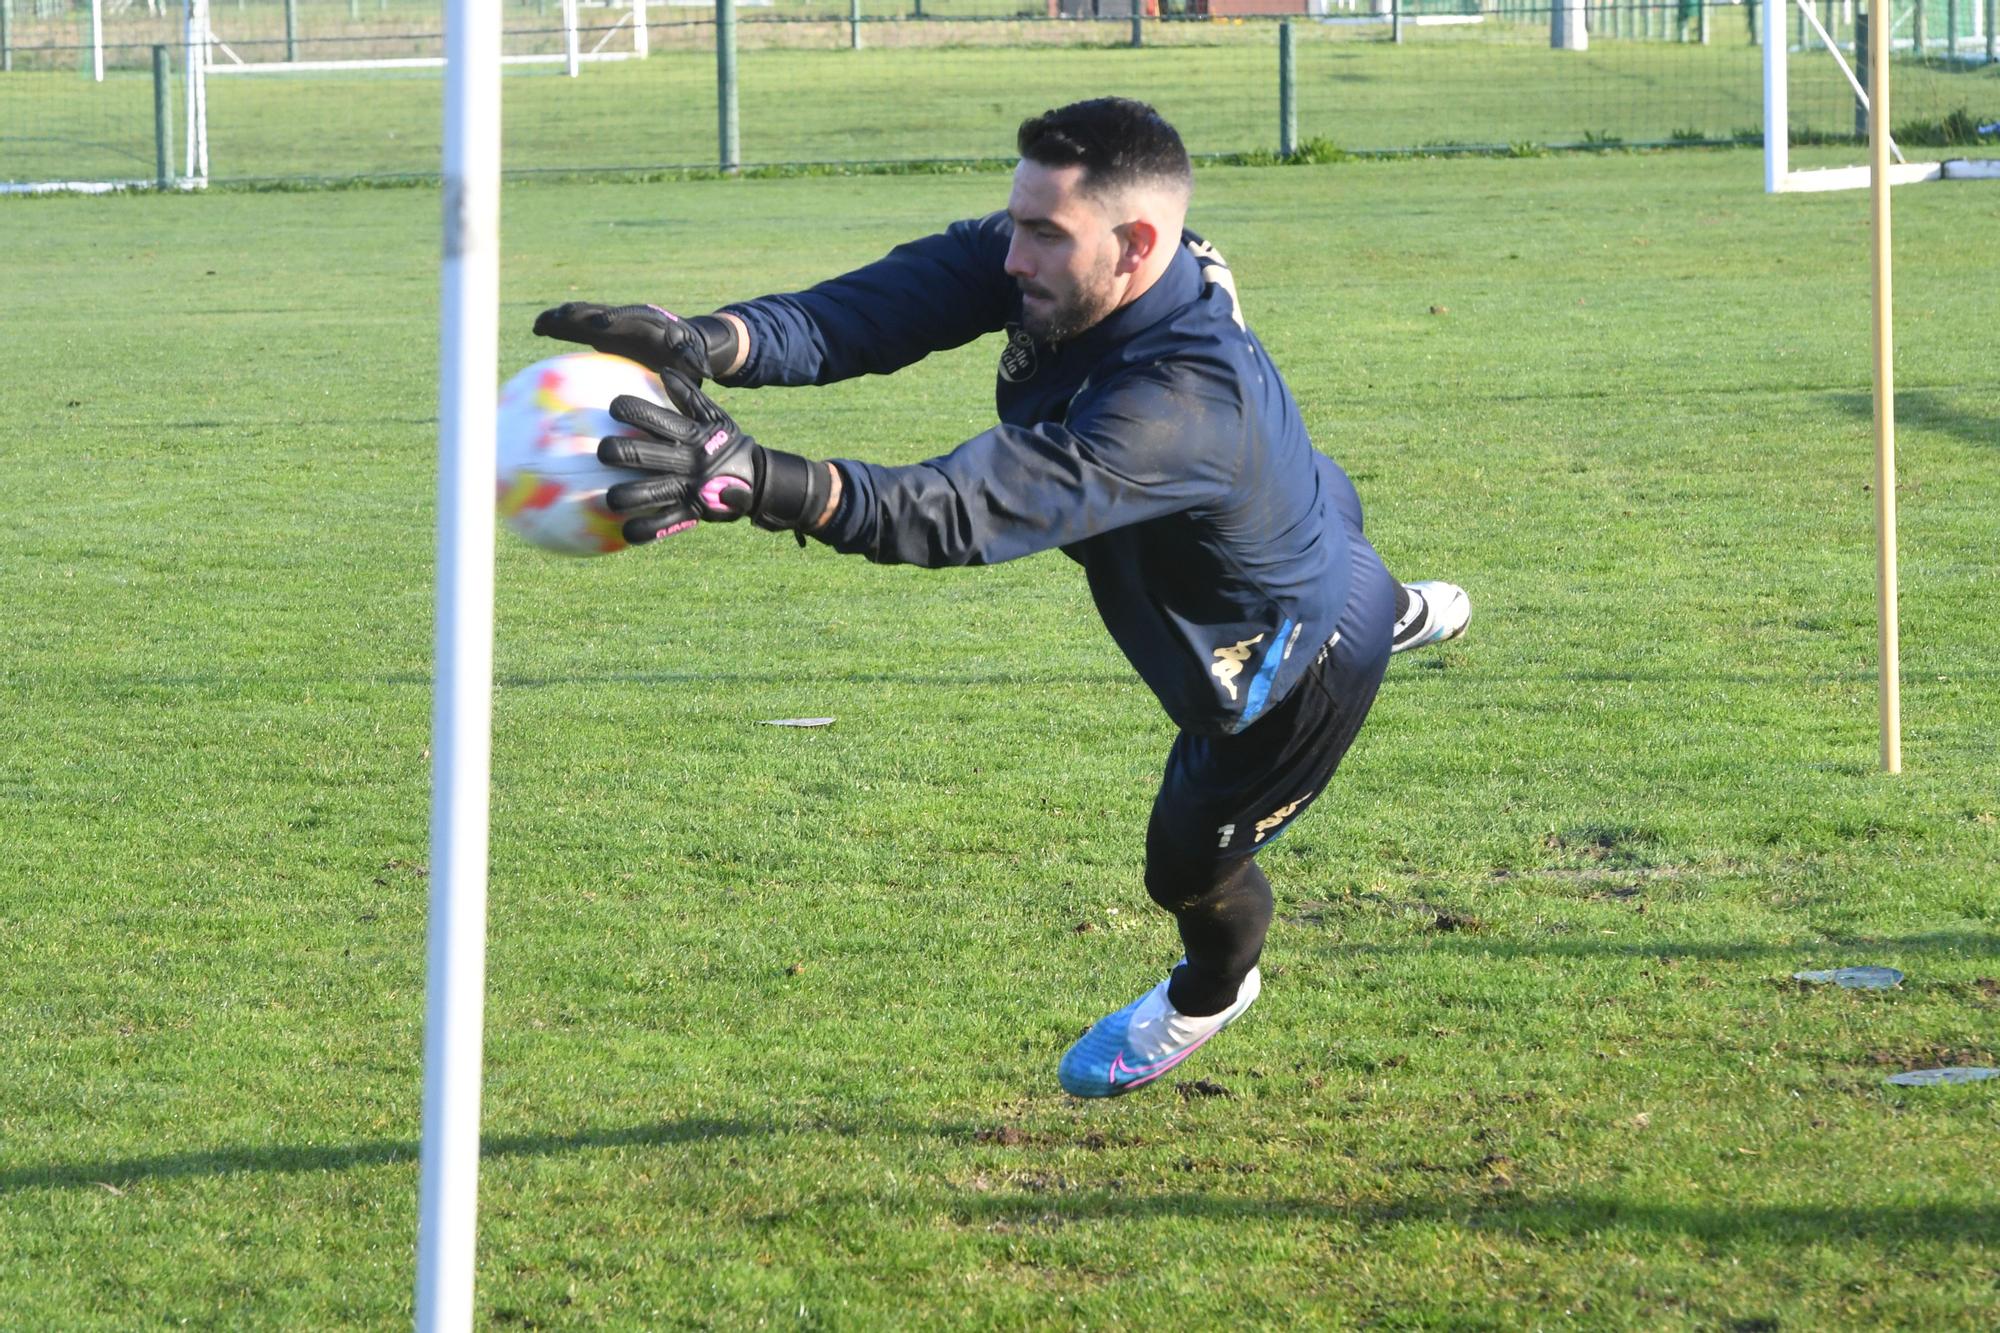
{"x": 1086, "y": 307}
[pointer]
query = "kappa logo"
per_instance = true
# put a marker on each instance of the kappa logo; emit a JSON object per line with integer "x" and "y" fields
{"x": 1229, "y": 663}
{"x": 1279, "y": 816}
{"x": 1017, "y": 359}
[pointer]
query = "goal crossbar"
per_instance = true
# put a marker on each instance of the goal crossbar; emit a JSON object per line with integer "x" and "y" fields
{"x": 572, "y": 54}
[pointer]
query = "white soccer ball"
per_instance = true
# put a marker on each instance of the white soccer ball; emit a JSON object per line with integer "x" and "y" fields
{"x": 551, "y": 486}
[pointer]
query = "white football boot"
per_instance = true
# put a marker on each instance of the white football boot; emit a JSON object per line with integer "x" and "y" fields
{"x": 1437, "y": 611}
{"x": 1142, "y": 1041}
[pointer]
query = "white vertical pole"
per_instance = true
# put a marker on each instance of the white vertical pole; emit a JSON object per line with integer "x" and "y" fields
{"x": 1777, "y": 115}
{"x": 200, "y": 80}
{"x": 641, "y": 44}
{"x": 97, "y": 40}
{"x": 1889, "y": 681}
{"x": 569, "y": 36}
{"x": 195, "y": 76}
{"x": 1567, "y": 29}
{"x": 461, "y": 715}
{"x": 193, "y": 57}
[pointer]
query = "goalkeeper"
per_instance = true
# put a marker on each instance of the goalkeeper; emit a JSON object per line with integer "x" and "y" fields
{"x": 1143, "y": 431}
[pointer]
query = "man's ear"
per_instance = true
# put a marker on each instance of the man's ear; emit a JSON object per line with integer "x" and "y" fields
{"x": 1136, "y": 240}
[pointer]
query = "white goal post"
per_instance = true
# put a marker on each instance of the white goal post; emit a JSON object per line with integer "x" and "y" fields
{"x": 1779, "y": 176}
{"x": 195, "y": 38}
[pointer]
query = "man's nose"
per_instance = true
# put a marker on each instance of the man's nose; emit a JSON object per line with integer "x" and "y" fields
{"x": 1017, "y": 265}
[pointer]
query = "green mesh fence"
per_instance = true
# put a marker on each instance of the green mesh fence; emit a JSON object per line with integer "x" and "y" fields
{"x": 58, "y": 123}
{"x": 825, "y": 81}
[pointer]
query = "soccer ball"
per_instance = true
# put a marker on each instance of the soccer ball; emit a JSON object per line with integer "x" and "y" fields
{"x": 551, "y": 486}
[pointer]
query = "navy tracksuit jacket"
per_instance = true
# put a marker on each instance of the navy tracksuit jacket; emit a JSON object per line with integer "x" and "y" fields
{"x": 1160, "y": 450}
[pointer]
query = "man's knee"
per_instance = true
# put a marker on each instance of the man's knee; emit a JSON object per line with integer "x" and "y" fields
{"x": 1181, "y": 885}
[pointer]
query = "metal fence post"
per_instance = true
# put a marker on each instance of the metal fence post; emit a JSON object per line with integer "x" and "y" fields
{"x": 1138, "y": 24}
{"x": 291, "y": 30}
{"x": 6, "y": 36}
{"x": 1396, "y": 21}
{"x": 1992, "y": 39}
{"x": 854, "y": 25}
{"x": 728, "y": 150}
{"x": 1288, "y": 92}
{"x": 163, "y": 122}
{"x": 1950, "y": 29}
{"x": 1919, "y": 37}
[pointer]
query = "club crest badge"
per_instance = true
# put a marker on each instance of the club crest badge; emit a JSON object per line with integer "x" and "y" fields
{"x": 1017, "y": 358}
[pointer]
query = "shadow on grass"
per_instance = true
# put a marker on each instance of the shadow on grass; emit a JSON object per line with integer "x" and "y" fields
{"x": 1535, "y": 1220}
{"x": 1949, "y": 942}
{"x": 283, "y": 1159}
{"x": 1928, "y": 409}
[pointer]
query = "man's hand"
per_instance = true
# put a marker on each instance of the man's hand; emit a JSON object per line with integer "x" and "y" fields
{"x": 703, "y": 466}
{"x": 696, "y": 349}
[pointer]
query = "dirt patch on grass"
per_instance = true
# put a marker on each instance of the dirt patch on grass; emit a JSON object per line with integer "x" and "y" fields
{"x": 1201, "y": 1088}
{"x": 1012, "y": 1136}
{"x": 1927, "y": 1056}
{"x": 1437, "y": 917}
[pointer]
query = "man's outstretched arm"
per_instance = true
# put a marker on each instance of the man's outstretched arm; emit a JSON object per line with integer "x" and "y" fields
{"x": 927, "y": 296}
{"x": 1155, "y": 443}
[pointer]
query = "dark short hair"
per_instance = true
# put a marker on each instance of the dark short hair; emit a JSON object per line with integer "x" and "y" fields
{"x": 1118, "y": 142}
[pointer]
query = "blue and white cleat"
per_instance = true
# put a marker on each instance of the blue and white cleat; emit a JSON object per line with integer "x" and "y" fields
{"x": 1437, "y": 611}
{"x": 1142, "y": 1041}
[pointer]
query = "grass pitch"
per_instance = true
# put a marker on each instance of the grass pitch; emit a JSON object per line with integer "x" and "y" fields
{"x": 774, "y": 1014}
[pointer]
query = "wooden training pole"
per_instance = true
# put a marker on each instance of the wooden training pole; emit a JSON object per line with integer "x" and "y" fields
{"x": 1890, "y": 684}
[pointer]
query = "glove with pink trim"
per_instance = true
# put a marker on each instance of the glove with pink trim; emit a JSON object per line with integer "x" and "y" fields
{"x": 697, "y": 349}
{"x": 704, "y": 467}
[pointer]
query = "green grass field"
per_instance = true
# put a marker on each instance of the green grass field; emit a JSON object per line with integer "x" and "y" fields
{"x": 1494, "y": 85}
{"x": 774, "y": 1014}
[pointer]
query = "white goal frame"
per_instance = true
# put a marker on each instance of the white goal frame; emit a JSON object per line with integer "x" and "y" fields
{"x": 1779, "y": 177}
{"x": 573, "y": 56}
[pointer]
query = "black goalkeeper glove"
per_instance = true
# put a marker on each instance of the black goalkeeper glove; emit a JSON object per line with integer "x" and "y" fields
{"x": 704, "y": 468}
{"x": 697, "y": 349}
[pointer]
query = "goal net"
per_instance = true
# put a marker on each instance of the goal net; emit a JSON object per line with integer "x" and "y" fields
{"x": 1944, "y": 103}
